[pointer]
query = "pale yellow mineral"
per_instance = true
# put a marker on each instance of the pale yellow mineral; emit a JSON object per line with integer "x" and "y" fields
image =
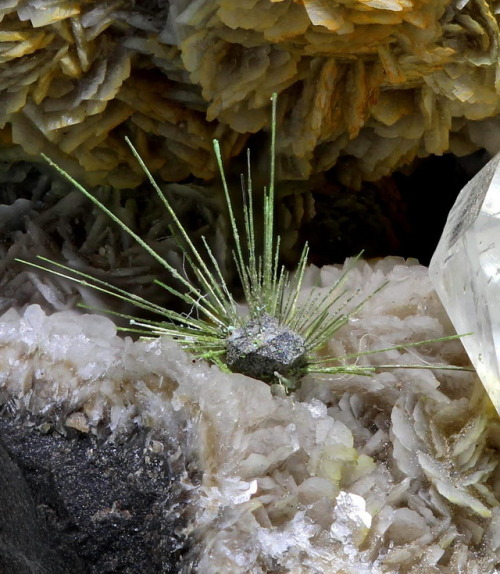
{"x": 364, "y": 85}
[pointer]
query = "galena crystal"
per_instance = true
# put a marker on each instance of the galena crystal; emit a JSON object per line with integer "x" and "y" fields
{"x": 262, "y": 347}
{"x": 465, "y": 271}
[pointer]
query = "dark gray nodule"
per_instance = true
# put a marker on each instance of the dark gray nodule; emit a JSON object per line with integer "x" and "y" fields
{"x": 262, "y": 347}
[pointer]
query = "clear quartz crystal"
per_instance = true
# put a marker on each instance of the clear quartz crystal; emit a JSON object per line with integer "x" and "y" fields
{"x": 465, "y": 271}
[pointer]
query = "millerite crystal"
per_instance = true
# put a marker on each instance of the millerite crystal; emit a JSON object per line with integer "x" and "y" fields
{"x": 273, "y": 336}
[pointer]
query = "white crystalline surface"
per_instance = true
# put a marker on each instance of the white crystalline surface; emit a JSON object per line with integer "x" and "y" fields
{"x": 465, "y": 270}
{"x": 388, "y": 474}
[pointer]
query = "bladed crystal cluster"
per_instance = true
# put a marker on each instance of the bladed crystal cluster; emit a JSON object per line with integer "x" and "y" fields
{"x": 365, "y": 85}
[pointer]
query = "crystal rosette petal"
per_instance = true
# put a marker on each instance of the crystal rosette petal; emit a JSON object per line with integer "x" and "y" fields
{"x": 465, "y": 271}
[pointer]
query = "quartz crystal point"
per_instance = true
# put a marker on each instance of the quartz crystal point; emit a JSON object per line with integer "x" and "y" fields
{"x": 465, "y": 271}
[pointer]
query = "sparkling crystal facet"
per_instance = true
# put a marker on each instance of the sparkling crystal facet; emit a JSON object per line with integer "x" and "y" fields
{"x": 465, "y": 271}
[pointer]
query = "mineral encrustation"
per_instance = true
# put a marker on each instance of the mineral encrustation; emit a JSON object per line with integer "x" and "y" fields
{"x": 364, "y": 85}
{"x": 388, "y": 474}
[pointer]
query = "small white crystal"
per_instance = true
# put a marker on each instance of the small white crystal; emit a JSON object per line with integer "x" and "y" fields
{"x": 352, "y": 521}
{"x": 465, "y": 270}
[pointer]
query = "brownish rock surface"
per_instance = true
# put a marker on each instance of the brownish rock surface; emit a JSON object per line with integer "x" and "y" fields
{"x": 364, "y": 85}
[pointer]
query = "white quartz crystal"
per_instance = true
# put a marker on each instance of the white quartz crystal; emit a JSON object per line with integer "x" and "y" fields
{"x": 465, "y": 270}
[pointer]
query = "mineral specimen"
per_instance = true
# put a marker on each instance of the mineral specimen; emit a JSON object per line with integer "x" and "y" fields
{"x": 358, "y": 475}
{"x": 465, "y": 270}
